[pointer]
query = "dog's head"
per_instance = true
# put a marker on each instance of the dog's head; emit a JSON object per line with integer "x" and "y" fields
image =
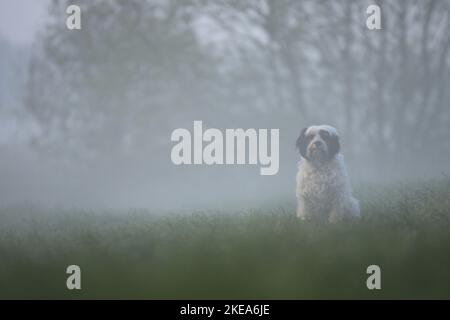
{"x": 318, "y": 143}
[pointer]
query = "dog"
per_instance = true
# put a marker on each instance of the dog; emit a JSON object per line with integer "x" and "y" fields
{"x": 323, "y": 187}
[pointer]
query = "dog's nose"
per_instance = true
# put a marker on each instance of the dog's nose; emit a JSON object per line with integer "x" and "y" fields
{"x": 317, "y": 143}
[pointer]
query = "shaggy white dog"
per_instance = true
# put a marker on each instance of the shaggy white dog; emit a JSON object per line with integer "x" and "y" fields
{"x": 323, "y": 187}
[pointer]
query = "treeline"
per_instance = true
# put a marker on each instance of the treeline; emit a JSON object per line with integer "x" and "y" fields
{"x": 139, "y": 69}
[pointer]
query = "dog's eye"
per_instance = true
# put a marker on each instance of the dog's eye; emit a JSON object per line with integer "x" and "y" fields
{"x": 324, "y": 134}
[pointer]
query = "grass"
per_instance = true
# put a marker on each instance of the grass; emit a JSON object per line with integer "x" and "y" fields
{"x": 405, "y": 229}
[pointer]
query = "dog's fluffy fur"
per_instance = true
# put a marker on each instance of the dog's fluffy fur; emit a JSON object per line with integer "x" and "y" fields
{"x": 323, "y": 187}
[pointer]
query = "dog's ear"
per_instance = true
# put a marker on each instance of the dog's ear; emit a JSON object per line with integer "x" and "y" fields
{"x": 334, "y": 145}
{"x": 301, "y": 143}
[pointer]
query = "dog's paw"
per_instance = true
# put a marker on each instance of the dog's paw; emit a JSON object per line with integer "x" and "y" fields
{"x": 333, "y": 218}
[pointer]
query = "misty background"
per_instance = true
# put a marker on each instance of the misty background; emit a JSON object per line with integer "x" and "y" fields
{"x": 86, "y": 116}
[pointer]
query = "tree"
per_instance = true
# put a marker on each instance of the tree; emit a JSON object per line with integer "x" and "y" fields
{"x": 114, "y": 83}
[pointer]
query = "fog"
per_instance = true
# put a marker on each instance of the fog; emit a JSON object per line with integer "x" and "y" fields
{"x": 86, "y": 116}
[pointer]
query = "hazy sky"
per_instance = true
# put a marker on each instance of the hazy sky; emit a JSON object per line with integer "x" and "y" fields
{"x": 20, "y": 19}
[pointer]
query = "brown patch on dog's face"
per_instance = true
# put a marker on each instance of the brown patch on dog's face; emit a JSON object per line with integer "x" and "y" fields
{"x": 302, "y": 143}
{"x": 332, "y": 141}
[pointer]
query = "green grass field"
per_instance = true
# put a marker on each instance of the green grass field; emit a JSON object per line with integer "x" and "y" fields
{"x": 405, "y": 229}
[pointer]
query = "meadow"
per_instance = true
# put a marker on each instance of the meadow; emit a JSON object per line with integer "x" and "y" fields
{"x": 256, "y": 254}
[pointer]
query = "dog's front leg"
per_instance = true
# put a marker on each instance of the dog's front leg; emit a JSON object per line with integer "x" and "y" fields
{"x": 335, "y": 214}
{"x": 301, "y": 208}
